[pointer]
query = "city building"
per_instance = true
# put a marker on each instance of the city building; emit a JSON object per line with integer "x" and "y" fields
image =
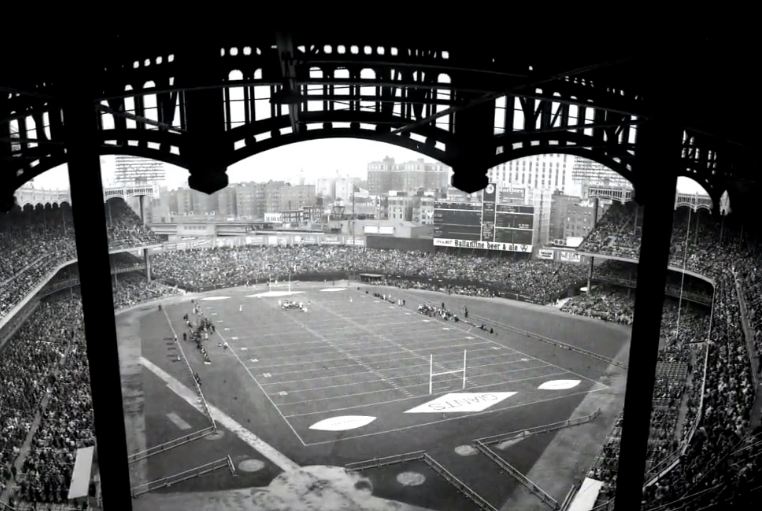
{"x": 559, "y": 206}
{"x": 417, "y": 208}
{"x": 542, "y": 172}
{"x": 587, "y": 173}
{"x": 410, "y": 176}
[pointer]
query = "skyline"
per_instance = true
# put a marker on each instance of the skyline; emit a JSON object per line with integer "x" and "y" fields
{"x": 309, "y": 160}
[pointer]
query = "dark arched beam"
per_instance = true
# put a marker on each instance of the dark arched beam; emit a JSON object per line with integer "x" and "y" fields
{"x": 283, "y": 140}
{"x": 383, "y": 124}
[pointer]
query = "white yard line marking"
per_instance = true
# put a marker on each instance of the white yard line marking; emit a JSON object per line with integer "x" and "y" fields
{"x": 388, "y": 354}
{"x": 423, "y": 382}
{"x": 458, "y": 356}
{"x": 300, "y": 380}
{"x": 466, "y": 416}
{"x": 425, "y": 395}
{"x": 244, "y": 434}
{"x": 178, "y": 421}
{"x": 536, "y": 358}
{"x": 382, "y": 336}
{"x": 345, "y": 353}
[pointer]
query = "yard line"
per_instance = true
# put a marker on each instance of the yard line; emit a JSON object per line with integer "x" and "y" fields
{"x": 421, "y": 395}
{"x": 402, "y": 350}
{"x": 232, "y": 351}
{"x": 424, "y": 382}
{"x": 387, "y": 353}
{"x": 467, "y": 416}
{"x": 517, "y": 351}
{"x": 458, "y": 357}
{"x": 256, "y": 443}
{"x": 340, "y": 350}
{"x": 381, "y": 336}
{"x": 388, "y": 377}
{"x": 416, "y": 375}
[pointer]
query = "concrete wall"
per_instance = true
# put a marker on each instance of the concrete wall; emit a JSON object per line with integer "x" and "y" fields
{"x": 399, "y": 243}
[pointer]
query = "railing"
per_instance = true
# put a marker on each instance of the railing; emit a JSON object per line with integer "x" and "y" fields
{"x": 386, "y": 460}
{"x": 493, "y": 439}
{"x": 570, "y": 496}
{"x": 458, "y": 484}
{"x": 164, "y": 482}
{"x": 35, "y": 506}
{"x": 156, "y": 449}
{"x": 701, "y": 404}
{"x": 516, "y": 474}
{"x": 748, "y": 332}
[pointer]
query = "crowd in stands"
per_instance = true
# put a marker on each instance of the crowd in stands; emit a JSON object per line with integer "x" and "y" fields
{"x": 719, "y": 405}
{"x": 608, "y": 303}
{"x": 677, "y": 384}
{"x": 43, "y": 372}
{"x": 133, "y": 288}
{"x": 207, "y": 268}
{"x": 125, "y": 228}
{"x": 34, "y": 241}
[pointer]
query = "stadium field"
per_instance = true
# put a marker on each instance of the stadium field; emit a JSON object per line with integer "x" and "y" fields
{"x": 348, "y": 379}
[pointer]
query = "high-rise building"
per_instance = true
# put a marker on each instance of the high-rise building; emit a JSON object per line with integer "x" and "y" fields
{"x": 409, "y": 176}
{"x": 245, "y": 201}
{"x": 226, "y": 201}
{"x": 405, "y": 206}
{"x": 134, "y": 170}
{"x": 560, "y": 204}
{"x": 293, "y": 197}
{"x": 540, "y": 172}
{"x": 586, "y": 173}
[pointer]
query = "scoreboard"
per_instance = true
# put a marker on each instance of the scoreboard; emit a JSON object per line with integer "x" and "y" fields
{"x": 487, "y": 225}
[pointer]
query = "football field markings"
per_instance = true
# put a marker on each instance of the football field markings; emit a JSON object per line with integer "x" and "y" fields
{"x": 232, "y": 351}
{"x": 178, "y": 421}
{"x": 350, "y": 356}
{"x": 522, "y": 353}
{"x": 485, "y": 341}
{"x": 190, "y": 396}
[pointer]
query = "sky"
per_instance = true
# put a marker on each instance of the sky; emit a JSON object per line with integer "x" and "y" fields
{"x": 309, "y": 160}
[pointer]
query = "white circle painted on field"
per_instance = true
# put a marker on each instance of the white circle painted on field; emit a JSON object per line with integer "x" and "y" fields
{"x": 251, "y": 465}
{"x": 559, "y": 384}
{"x": 343, "y": 423}
{"x": 215, "y": 436}
{"x": 214, "y": 298}
{"x": 269, "y": 294}
{"x": 411, "y": 478}
{"x": 333, "y": 289}
{"x": 466, "y": 450}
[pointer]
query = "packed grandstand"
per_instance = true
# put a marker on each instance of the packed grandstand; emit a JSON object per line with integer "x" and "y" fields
{"x": 705, "y": 440}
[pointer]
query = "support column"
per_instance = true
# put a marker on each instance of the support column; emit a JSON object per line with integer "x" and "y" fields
{"x": 658, "y": 160}
{"x": 97, "y": 302}
{"x": 592, "y": 259}
{"x": 147, "y": 261}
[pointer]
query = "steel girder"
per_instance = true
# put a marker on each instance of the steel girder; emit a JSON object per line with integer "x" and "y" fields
{"x": 207, "y": 106}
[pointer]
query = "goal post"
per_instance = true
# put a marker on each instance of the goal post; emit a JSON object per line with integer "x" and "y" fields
{"x": 432, "y": 374}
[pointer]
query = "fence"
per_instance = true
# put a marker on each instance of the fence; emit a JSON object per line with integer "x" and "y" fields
{"x": 156, "y": 449}
{"x": 386, "y": 460}
{"x": 489, "y": 440}
{"x": 516, "y": 474}
{"x": 184, "y": 476}
{"x": 458, "y": 484}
